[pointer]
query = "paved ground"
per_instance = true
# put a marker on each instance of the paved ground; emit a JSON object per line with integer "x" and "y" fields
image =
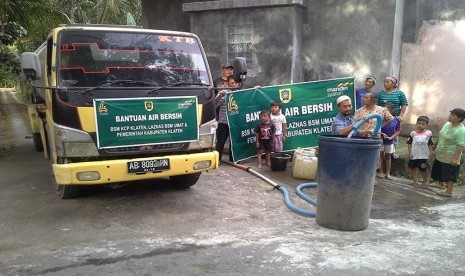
{"x": 230, "y": 223}
{"x": 412, "y": 231}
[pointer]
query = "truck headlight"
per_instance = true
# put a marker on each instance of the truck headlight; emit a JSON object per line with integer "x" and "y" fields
{"x": 72, "y": 142}
{"x": 204, "y": 142}
{"x": 67, "y": 134}
{"x": 207, "y": 134}
{"x": 80, "y": 149}
{"x": 208, "y": 127}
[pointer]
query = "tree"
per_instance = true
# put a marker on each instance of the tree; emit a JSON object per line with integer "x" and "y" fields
{"x": 24, "y": 24}
{"x": 19, "y": 18}
{"x": 114, "y": 11}
{"x": 33, "y": 15}
{"x": 99, "y": 11}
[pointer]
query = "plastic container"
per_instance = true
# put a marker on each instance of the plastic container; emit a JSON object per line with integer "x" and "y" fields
{"x": 346, "y": 177}
{"x": 304, "y": 164}
{"x": 304, "y": 151}
{"x": 279, "y": 161}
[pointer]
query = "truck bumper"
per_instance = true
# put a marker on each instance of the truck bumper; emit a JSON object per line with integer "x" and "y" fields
{"x": 112, "y": 171}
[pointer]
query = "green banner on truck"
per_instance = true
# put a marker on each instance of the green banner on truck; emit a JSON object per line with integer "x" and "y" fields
{"x": 145, "y": 121}
{"x": 309, "y": 109}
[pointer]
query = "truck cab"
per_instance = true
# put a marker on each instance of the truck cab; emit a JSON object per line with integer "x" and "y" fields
{"x": 115, "y": 104}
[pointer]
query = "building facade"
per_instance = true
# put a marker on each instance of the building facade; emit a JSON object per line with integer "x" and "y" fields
{"x": 289, "y": 41}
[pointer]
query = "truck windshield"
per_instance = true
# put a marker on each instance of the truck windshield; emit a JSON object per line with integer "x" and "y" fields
{"x": 93, "y": 58}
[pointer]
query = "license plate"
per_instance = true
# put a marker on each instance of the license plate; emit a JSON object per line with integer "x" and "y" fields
{"x": 153, "y": 165}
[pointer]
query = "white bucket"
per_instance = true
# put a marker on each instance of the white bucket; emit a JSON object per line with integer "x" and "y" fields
{"x": 304, "y": 164}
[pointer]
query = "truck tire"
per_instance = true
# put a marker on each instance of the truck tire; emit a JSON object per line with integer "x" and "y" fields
{"x": 185, "y": 181}
{"x": 67, "y": 191}
{"x": 64, "y": 191}
{"x": 38, "y": 146}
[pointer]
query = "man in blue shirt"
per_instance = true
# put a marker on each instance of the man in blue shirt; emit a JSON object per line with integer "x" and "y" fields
{"x": 342, "y": 124}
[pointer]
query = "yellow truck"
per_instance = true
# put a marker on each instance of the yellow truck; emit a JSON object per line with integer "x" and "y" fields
{"x": 114, "y": 104}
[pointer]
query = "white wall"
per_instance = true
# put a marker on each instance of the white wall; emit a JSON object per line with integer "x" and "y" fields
{"x": 433, "y": 71}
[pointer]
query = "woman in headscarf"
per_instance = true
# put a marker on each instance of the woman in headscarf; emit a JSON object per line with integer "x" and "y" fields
{"x": 390, "y": 94}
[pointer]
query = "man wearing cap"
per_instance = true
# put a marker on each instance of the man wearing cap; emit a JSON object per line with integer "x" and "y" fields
{"x": 448, "y": 149}
{"x": 226, "y": 72}
{"x": 342, "y": 124}
{"x": 370, "y": 82}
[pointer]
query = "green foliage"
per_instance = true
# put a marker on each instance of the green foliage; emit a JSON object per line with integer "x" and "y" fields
{"x": 26, "y": 23}
{"x": 99, "y": 11}
{"x": 113, "y": 11}
{"x": 9, "y": 67}
{"x": 19, "y": 21}
{"x": 10, "y": 32}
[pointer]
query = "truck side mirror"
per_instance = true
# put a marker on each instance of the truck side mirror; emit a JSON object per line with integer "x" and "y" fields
{"x": 31, "y": 65}
{"x": 240, "y": 69}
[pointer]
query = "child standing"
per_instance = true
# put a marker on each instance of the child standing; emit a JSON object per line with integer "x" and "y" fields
{"x": 264, "y": 133}
{"x": 279, "y": 122}
{"x": 420, "y": 148}
{"x": 389, "y": 133}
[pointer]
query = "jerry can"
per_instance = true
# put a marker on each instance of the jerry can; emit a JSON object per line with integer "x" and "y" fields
{"x": 304, "y": 164}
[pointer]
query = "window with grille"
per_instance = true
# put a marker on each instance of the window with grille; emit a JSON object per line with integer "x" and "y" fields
{"x": 239, "y": 39}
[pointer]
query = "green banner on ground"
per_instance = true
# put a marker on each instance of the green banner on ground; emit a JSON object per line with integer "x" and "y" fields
{"x": 145, "y": 121}
{"x": 309, "y": 109}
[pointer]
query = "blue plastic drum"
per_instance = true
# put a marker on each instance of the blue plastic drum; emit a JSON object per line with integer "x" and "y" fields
{"x": 345, "y": 176}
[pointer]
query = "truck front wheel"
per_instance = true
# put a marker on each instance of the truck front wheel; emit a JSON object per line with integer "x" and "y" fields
{"x": 185, "y": 181}
{"x": 67, "y": 191}
{"x": 64, "y": 191}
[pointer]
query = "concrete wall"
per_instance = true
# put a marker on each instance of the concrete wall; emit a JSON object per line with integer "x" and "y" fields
{"x": 432, "y": 59}
{"x": 312, "y": 39}
{"x": 334, "y": 38}
{"x": 348, "y": 38}
{"x": 433, "y": 69}
{"x": 272, "y": 41}
{"x": 165, "y": 15}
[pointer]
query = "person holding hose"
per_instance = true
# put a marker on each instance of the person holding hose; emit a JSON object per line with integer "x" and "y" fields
{"x": 344, "y": 121}
{"x": 370, "y": 107}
